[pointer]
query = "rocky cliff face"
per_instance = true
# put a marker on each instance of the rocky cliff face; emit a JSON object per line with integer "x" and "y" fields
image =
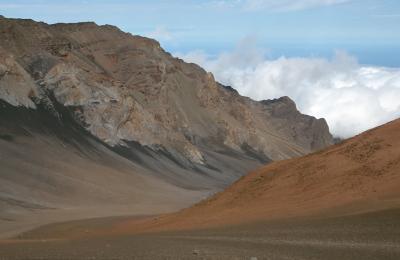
{"x": 126, "y": 89}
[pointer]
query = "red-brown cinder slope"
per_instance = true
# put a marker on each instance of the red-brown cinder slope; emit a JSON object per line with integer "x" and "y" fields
{"x": 359, "y": 175}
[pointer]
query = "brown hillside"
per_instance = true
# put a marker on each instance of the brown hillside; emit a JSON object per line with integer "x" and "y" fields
{"x": 359, "y": 175}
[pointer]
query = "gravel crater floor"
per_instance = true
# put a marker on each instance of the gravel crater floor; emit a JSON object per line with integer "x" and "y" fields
{"x": 364, "y": 236}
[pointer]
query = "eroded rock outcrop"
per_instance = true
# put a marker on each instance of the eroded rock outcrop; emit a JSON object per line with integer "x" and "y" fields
{"x": 125, "y": 88}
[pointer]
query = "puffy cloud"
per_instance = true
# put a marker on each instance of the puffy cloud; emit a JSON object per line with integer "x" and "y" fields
{"x": 273, "y": 5}
{"x": 288, "y": 5}
{"x": 350, "y": 96}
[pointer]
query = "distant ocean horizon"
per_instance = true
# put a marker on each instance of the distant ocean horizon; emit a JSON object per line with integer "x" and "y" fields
{"x": 373, "y": 55}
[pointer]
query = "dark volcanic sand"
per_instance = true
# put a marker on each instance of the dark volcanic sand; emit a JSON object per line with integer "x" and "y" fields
{"x": 359, "y": 237}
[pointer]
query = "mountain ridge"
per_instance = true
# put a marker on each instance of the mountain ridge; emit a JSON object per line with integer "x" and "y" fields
{"x": 75, "y": 62}
{"x": 120, "y": 105}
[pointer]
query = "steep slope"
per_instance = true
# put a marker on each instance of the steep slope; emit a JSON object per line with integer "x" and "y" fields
{"x": 53, "y": 170}
{"x": 359, "y": 175}
{"x": 339, "y": 203}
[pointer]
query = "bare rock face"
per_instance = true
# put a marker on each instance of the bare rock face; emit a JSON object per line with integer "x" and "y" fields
{"x": 16, "y": 85}
{"x": 124, "y": 88}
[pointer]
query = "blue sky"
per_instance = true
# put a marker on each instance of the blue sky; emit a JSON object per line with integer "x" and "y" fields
{"x": 368, "y": 29}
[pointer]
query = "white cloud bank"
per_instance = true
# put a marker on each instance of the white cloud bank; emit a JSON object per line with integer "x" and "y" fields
{"x": 161, "y": 34}
{"x": 350, "y": 96}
